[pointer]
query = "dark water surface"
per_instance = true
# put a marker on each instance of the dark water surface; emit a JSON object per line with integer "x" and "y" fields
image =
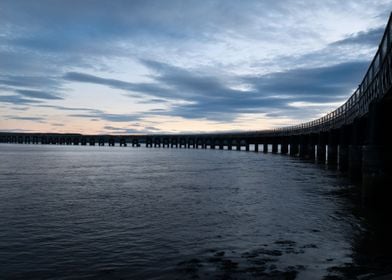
{"x": 70, "y": 212}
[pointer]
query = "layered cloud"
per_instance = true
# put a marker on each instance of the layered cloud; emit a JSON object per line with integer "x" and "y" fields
{"x": 102, "y": 66}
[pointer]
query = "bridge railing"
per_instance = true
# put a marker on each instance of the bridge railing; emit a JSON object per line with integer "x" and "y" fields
{"x": 375, "y": 84}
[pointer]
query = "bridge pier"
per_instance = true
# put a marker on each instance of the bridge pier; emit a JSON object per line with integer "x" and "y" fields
{"x": 344, "y": 139}
{"x": 135, "y": 142}
{"x": 332, "y": 154}
{"x": 303, "y": 146}
{"x": 182, "y": 143}
{"x": 174, "y": 142}
{"x": 294, "y": 150}
{"x": 76, "y": 141}
{"x": 165, "y": 143}
{"x": 157, "y": 142}
{"x": 355, "y": 152}
{"x": 123, "y": 142}
{"x": 101, "y": 142}
{"x": 148, "y": 143}
{"x": 322, "y": 147}
{"x": 256, "y": 147}
{"x": 274, "y": 147}
{"x": 294, "y": 146}
{"x": 111, "y": 142}
{"x": 284, "y": 148}
{"x": 265, "y": 148}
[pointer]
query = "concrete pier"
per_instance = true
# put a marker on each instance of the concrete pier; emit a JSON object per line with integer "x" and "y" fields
{"x": 321, "y": 153}
{"x": 294, "y": 149}
{"x": 355, "y": 162}
{"x": 284, "y": 148}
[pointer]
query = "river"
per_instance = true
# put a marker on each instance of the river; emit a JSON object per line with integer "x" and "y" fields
{"x": 86, "y": 212}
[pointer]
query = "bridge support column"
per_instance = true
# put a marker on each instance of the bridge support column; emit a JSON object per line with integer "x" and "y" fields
{"x": 294, "y": 149}
{"x": 294, "y": 145}
{"x": 332, "y": 148}
{"x": 274, "y": 148}
{"x": 343, "y": 158}
{"x": 149, "y": 143}
{"x": 256, "y": 147}
{"x": 284, "y": 148}
{"x": 344, "y": 139}
{"x": 265, "y": 148}
{"x": 135, "y": 142}
{"x": 311, "y": 151}
{"x": 303, "y": 150}
{"x": 76, "y": 141}
{"x": 304, "y": 147}
{"x": 322, "y": 147}
{"x": 123, "y": 142}
{"x": 321, "y": 153}
{"x": 355, "y": 162}
{"x": 332, "y": 155}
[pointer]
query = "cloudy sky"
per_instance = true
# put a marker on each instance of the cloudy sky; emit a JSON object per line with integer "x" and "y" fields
{"x": 178, "y": 65}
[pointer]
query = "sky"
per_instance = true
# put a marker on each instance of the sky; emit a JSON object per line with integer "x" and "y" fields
{"x": 180, "y": 66}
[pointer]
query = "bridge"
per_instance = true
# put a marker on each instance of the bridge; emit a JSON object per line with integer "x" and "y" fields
{"x": 355, "y": 138}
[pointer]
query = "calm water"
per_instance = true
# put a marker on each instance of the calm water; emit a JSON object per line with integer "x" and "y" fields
{"x": 134, "y": 213}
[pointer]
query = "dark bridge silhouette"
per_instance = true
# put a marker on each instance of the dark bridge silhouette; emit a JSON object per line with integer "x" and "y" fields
{"x": 356, "y": 137}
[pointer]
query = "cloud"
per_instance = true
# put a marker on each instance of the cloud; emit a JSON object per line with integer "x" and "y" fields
{"x": 35, "y": 119}
{"x": 319, "y": 84}
{"x": 146, "y": 88}
{"x": 38, "y": 94}
{"x": 17, "y": 100}
{"x": 368, "y": 38}
{"x": 109, "y": 117}
{"x": 209, "y": 97}
{"x": 63, "y": 108}
{"x": 35, "y": 82}
{"x": 125, "y": 130}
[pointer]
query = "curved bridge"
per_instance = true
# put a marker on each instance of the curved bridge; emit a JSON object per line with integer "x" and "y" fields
{"x": 355, "y": 137}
